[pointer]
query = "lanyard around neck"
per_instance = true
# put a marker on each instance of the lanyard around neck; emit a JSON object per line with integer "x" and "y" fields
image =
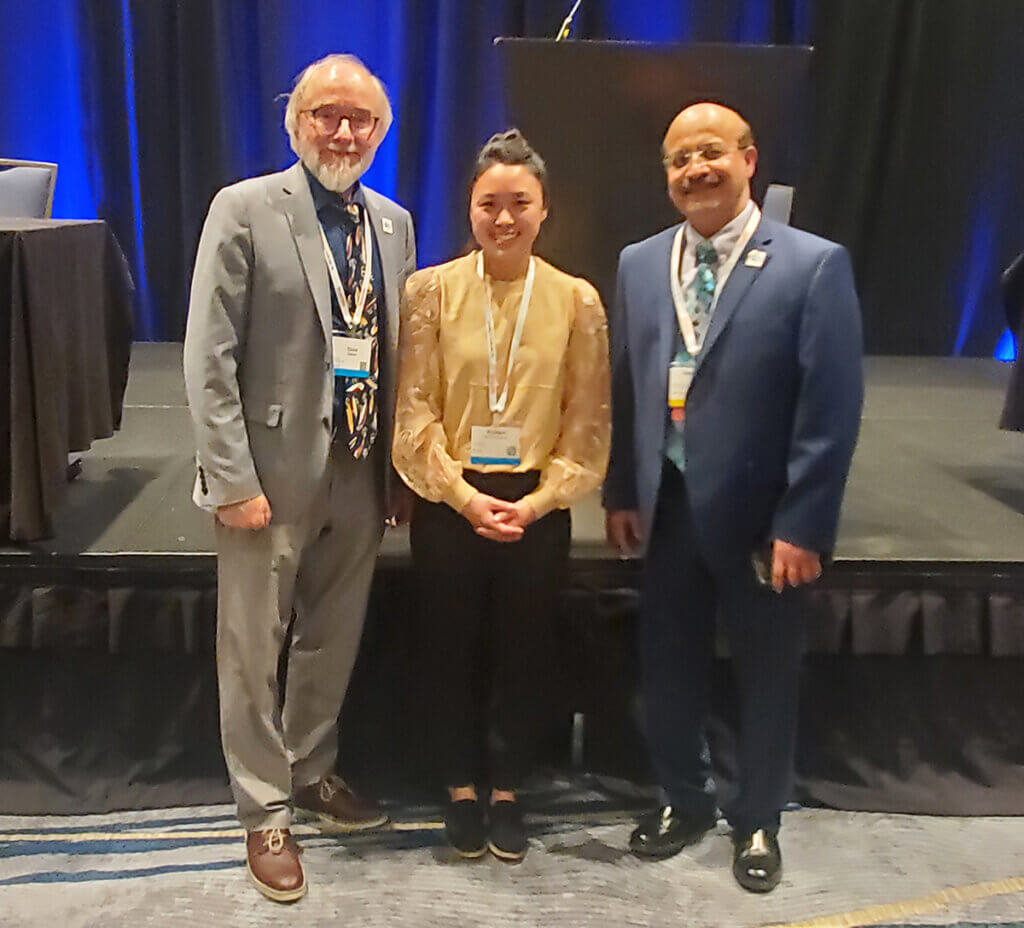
{"x": 497, "y": 403}
{"x": 693, "y": 346}
{"x": 351, "y": 319}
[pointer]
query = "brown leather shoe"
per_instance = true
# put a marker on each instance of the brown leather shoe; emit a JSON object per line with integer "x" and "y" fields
{"x": 273, "y": 864}
{"x": 331, "y": 800}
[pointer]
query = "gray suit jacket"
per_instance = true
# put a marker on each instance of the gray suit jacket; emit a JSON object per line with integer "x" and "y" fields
{"x": 258, "y": 367}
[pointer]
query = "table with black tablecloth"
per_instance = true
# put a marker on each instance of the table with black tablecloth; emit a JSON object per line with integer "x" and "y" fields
{"x": 66, "y": 328}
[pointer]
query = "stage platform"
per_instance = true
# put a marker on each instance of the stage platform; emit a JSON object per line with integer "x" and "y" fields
{"x": 936, "y": 489}
{"x": 911, "y": 696}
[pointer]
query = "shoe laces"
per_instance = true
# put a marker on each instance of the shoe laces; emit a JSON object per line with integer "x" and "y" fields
{"x": 331, "y": 786}
{"x": 274, "y": 840}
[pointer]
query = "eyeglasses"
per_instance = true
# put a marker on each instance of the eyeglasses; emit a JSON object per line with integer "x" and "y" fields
{"x": 328, "y": 118}
{"x": 705, "y": 153}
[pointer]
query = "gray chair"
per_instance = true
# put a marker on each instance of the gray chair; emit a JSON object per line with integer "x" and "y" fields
{"x": 778, "y": 203}
{"x": 26, "y": 188}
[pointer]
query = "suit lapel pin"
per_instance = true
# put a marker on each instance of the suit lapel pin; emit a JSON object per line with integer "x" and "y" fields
{"x": 386, "y": 225}
{"x": 756, "y": 258}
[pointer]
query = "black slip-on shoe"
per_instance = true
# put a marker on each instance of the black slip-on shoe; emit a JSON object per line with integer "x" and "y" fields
{"x": 666, "y": 831}
{"x": 757, "y": 861}
{"x": 464, "y": 826}
{"x": 507, "y": 834}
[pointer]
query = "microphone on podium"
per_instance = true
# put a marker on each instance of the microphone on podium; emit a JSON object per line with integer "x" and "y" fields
{"x": 563, "y": 32}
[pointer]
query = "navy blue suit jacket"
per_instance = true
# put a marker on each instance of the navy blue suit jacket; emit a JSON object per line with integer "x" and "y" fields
{"x": 774, "y": 407}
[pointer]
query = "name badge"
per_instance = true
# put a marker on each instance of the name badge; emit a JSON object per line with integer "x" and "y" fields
{"x": 494, "y": 445}
{"x": 351, "y": 356}
{"x": 680, "y": 376}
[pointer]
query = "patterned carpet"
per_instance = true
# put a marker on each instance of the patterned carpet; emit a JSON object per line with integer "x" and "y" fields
{"x": 187, "y": 866}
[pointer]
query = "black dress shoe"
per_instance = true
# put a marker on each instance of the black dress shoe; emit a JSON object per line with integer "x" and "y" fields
{"x": 757, "y": 861}
{"x": 666, "y": 831}
{"x": 464, "y": 825}
{"x": 508, "y": 836}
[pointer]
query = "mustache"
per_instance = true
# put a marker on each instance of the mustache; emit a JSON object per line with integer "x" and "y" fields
{"x": 703, "y": 183}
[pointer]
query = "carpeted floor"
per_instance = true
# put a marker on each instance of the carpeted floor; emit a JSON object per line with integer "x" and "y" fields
{"x": 186, "y": 866}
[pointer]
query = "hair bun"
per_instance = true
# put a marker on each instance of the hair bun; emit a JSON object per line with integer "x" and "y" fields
{"x": 509, "y": 135}
{"x": 511, "y": 147}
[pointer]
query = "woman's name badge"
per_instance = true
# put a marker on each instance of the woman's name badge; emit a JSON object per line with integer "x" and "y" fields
{"x": 351, "y": 356}
{"x": 492, "y": 444}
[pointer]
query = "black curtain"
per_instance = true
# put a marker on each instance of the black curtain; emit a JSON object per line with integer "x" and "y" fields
{"x": 915, "y": 166}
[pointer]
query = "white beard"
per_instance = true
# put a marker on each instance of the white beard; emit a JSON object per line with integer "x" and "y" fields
{"x": 335, "y": 177}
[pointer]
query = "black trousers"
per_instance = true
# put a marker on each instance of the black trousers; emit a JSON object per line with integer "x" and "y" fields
{"x": 681, "y": 595}
{"x": 487, "y": 619}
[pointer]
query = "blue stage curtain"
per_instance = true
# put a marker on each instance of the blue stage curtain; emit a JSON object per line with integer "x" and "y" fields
{"x": 43, "y": 113}
{"x": 150, "y": 106}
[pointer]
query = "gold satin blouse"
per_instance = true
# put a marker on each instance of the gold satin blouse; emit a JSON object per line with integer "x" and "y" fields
{"x": 558, "y": 391}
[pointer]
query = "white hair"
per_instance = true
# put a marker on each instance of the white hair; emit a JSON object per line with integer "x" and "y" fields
{"x": 291, "y": 112}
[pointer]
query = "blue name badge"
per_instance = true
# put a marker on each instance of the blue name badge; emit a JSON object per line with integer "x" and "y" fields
{"x": 494, "y": 445}
{"x": 351, "y": 356}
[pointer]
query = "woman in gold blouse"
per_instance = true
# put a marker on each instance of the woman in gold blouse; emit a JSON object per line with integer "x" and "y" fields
{"x": 502, "y": 422}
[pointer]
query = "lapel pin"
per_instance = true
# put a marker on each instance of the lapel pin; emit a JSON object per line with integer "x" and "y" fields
{"x": 756, "y": 258}
{"x": 386, "y": 225}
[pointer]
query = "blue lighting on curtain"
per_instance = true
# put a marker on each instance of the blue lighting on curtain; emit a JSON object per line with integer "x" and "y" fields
{"x": 145, "y": 330}
{"x": 1006, "y": 350}
{"x": 650, "y": 21}
{"x": 43, "y": 111}
{"x": 979, "y": 271}
{"x": 755, "y": 23}
{"x": 802, "y": 21}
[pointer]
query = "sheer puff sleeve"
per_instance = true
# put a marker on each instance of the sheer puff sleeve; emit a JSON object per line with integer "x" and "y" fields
{"x": 420, "y": 450}
{"x": 580, "y": 456}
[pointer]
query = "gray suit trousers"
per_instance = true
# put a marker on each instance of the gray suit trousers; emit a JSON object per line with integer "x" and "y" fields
{"x": 321, "y": 567}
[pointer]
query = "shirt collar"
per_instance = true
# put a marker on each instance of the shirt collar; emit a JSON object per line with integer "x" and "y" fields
{"x": 726, "y": 237}
{"x": 322, "y": 197}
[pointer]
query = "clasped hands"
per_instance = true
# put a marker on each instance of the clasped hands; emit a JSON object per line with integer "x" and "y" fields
{"x": 496, "y": 519}
{"x": 791, "y": 565}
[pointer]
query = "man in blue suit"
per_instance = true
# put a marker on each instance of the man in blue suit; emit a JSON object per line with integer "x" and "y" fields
{"x": 737, "y": 388}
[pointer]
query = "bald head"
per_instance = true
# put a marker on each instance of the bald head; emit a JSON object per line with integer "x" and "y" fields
{"x": 709, "y": 158}
{"x": 715, "y": 117}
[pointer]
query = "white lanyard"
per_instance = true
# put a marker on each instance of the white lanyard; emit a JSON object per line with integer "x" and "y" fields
{"x": 679, "y": 295}
{"x": 497, "y": 403}
{"x": 364, "y": 287}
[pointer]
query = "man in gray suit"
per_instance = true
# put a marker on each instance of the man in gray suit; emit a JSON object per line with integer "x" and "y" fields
{"x": 290, "y": 355}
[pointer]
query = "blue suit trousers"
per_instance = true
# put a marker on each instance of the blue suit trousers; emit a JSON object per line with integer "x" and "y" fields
{"x": 681, "y": 596}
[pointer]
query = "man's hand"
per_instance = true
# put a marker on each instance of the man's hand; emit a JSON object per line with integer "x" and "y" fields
{"x": 622, "y": 528}
{"x": 793, "y": 566}
{"x": 252, "y": 514}
{"x": 491, "y": 518}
